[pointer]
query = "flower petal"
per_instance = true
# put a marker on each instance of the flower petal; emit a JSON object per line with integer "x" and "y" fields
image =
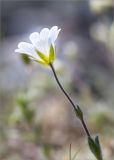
{"x": 54, "y": 28}
{"x": 54, "y": 33}
{"x": 19, "y": 50}
{"x": 36, "y": 41}
{"x": 40, "y": 41}
{"x": 34, "y": 38}
{"x": 27, "y": 48}
{"x": 43, "y": 45}
{"x": 44, "y": 34}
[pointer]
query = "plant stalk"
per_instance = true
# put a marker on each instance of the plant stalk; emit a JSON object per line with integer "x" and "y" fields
{"x": 70, "y": 100}
{"x": 93, "y": 144}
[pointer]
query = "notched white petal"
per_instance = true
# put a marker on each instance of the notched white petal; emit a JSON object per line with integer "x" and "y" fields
{"x": 56, "y": 34}
{"x": 54, "y": 28}
{"x": 54, "y": 31}
{"x": 34, "y": 37}
{"x": 27, "y": 48}
{"x": 43, "y": 44}
{"x": 19, "y": 51}
{"x": 24, "y": 45}
{"x": 44, "y": 33}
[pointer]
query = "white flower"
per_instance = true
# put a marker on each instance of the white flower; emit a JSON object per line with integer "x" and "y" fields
{"x": 42, "y": 46}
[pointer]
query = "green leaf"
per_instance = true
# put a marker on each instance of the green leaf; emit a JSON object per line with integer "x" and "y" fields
{"x": 92, "y": 146}
{"x": 51, "y": 54}
{"x": 98, "y": 145}
{"x": 47, "y": 150}
{"x": 78, "y": 112}
{"x": 95, "y": 147}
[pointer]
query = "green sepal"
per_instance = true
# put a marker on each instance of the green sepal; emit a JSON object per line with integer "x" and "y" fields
{"x": 41, "y": 62}
{"x": 25, "y": 58}
{"x": 43, "y": 57}
{"x": 51, "y": 54}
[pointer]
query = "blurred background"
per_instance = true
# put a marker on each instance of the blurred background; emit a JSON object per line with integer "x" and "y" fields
{"x": 36, "y": 120}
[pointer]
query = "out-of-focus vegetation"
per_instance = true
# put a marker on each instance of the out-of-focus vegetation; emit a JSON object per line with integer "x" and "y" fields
{"x": 36, "y": 121}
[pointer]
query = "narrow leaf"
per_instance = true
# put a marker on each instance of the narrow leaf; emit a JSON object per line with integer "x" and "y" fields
{"x": 95, "y": 148}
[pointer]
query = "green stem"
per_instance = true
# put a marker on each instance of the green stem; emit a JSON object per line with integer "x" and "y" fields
{"x": 70, "y": 100}
{"x": 93, "y": 144}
